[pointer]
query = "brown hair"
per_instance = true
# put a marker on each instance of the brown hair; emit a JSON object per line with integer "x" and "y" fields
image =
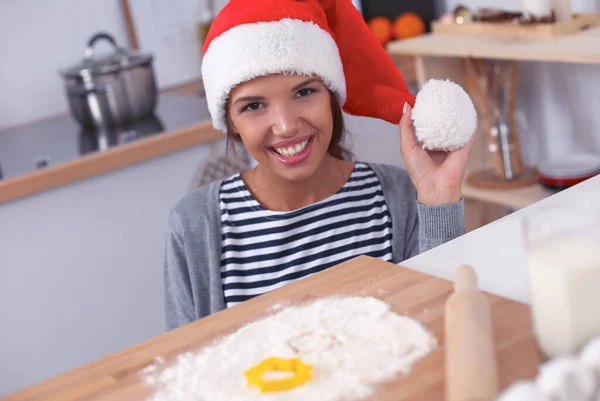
{"x": 338, "y": 136}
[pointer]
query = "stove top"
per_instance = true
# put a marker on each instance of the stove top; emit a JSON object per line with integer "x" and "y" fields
{"x": 61, "y": 139}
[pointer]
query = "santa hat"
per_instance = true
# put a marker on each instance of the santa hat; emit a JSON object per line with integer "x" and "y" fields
{"x": 328, "y": 38}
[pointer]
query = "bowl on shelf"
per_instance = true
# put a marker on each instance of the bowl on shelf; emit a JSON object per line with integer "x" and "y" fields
{"x": 569, "y": 169}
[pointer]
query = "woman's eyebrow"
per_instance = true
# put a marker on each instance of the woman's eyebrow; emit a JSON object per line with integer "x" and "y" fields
{"x": 248, "y": 99}
{"x": 300, "y": 85}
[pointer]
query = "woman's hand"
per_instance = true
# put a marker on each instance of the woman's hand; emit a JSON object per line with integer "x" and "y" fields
{"x": 437, "y": 176}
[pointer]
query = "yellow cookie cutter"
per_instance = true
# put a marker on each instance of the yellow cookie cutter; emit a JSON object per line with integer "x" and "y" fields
{"x": 255, "y": 375}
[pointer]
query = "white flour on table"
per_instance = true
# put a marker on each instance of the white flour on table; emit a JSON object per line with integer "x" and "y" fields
{"x": 351, "y": 344}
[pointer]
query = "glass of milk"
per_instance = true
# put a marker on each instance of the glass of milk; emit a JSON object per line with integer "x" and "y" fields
{"x": 563, "y": 260}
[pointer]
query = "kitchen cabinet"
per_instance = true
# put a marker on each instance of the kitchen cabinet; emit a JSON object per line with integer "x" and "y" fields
{"x": 81, "y": 266}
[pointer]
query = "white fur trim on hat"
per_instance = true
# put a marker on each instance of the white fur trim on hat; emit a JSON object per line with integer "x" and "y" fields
{"x": 248, "y": 51}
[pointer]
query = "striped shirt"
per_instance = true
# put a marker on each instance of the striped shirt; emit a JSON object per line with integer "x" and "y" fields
{"x": 263, "y": 250}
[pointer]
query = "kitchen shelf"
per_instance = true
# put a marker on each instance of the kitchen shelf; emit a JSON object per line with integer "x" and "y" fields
{"x": 439, "y": 56}
{"x": 513, "y": 198}
{"x": 583, "y": 47}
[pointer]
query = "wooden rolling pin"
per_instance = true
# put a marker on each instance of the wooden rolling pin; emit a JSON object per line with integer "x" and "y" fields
{"x": 470, "y": 357}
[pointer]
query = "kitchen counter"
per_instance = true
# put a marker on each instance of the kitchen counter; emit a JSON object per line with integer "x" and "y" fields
{"x": 496, "y": 251}
{"x": 56, "y": 151}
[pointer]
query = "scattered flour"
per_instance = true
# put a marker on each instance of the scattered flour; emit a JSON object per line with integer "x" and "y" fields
{"x": 351, "y": 343}
{"x": 276, "y": 307}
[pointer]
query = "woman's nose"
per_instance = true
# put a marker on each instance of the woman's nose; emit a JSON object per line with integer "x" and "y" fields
{"x": 286, "y": 122}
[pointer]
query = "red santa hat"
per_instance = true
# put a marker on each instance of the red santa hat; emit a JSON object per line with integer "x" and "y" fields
{"x": 328, "y": 38}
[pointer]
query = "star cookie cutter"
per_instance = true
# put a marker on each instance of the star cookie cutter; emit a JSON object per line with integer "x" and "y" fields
{"x": 255, "y": 375}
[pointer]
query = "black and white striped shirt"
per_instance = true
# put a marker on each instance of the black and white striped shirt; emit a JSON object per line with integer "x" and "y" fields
{"x": 263, "y": 250}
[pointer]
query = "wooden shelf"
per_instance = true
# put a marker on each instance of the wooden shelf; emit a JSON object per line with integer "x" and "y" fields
{"x": 581, "y": 47}
{"x": 512, "y": 198}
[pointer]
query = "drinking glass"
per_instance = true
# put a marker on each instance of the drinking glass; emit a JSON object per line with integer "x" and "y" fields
{"x": 563, "y": 260}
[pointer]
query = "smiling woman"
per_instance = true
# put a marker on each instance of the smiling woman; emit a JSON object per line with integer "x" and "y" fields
{"x": 293, "y": 127}
{"x": 277, "y": 76}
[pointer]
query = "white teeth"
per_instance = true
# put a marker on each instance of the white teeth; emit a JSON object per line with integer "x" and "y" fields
{"x": 292, "y": 150}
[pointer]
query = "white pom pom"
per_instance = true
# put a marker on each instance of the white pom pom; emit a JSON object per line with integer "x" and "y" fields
{"x": 566, "y": 379}
{"x": 522, "y": 391}
{"x": 444, "y": 116}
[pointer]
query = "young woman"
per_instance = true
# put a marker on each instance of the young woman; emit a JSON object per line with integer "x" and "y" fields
{"x": 306, "y": 206}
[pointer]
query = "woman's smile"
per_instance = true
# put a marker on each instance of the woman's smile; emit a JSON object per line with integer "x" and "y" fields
{"x": 292, "y": 152}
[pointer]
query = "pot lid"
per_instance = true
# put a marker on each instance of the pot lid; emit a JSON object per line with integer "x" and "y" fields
{"x": 571, "y": 165}
{"x": 118, "y": 59}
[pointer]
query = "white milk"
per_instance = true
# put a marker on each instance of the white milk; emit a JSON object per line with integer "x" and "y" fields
{"x": 565, "y": 292}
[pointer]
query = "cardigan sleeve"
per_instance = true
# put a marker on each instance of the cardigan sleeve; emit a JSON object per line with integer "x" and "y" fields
{"x": 193, "y": 287}
{"x": 179, "y": 303}
{"x": 417, "y": 228}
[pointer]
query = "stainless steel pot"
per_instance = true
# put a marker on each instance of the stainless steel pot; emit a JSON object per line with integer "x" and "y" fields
{"x": 112, "y": 90}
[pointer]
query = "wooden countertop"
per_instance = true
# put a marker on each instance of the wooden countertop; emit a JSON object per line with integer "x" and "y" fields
{"x": 420, "y": 296}
{"x": 582, "y": 47}
{"x": 191, "y": 128}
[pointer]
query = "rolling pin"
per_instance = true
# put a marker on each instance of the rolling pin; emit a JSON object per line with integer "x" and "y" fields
{"x": 470, "y": 356}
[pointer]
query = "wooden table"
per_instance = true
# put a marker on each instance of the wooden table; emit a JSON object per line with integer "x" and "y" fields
{"x": 420, "y": 296}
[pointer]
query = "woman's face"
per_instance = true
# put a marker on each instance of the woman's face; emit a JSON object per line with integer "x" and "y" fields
{"x": 285, "y": 122}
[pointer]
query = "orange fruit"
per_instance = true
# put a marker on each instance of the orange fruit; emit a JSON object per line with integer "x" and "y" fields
{"x": 381, "y": 27}
{"x": 408, "y": 25}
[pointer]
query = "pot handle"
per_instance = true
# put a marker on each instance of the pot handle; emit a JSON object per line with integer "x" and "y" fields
{"x": 89, "y": 50}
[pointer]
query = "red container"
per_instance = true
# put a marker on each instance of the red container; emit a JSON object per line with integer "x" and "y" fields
{"x": 568, "y": 170}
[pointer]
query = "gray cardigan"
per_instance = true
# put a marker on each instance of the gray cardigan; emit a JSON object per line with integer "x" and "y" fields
{"x": 193, "y": 287}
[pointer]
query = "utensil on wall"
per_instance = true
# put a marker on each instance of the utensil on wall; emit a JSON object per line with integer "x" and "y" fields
{"x": 470, "y": 360}
{"x": 502, "y": 99}
{"x": 493, "y": 86}
{"x": 113, "y": 89}
{"x": 477, "y": 84}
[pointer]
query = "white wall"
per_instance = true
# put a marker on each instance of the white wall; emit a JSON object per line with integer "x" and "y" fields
{"x": 81, "y": 267}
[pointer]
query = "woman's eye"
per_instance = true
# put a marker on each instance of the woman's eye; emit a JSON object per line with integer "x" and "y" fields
{"x": 305, "y": 92}
{"x": 251, "y": 107}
